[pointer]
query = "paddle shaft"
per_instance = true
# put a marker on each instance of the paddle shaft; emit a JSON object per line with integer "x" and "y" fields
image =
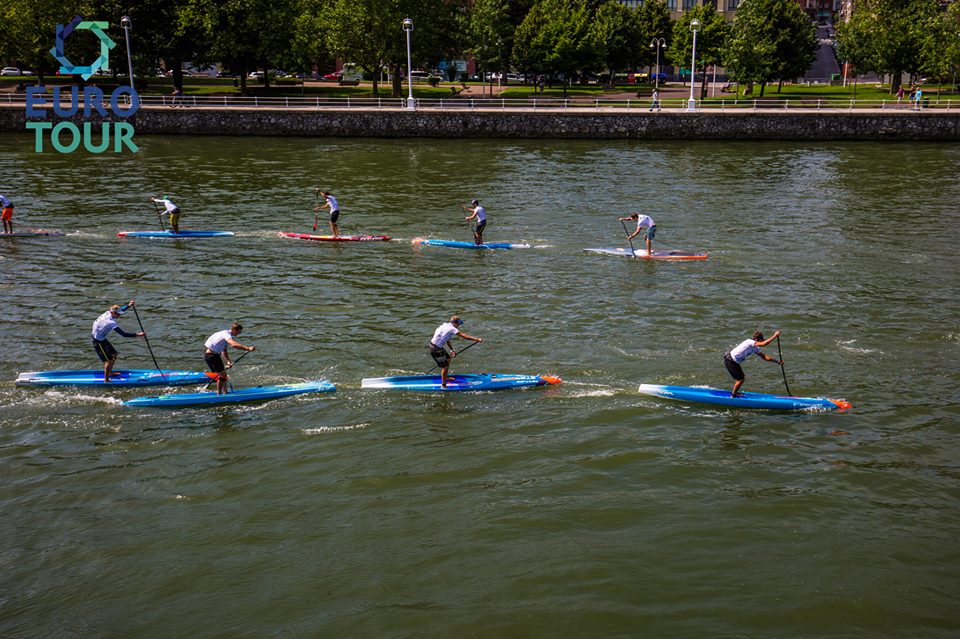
{"x": 159, "y": 217}
{"x": 464, "y": 349}
{"x": 315, "y": 213}
{"x": 632, "y": 250}
{"x": 147, "y": 340}
{"x": 784, "y": 372}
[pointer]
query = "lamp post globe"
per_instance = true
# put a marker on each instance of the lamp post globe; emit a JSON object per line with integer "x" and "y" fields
{"x": 411, "y": 103}
{"x": 691, "y": 103}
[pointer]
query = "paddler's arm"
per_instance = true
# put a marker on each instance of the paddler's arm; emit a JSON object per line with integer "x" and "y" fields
{"x": 770, "y": 339}
{"x": 126, "y": 334}
{"x": 770, "y": 359}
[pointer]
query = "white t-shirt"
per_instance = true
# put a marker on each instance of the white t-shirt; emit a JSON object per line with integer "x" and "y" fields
{"x": 745, "y": 349}
{"x": 103, "y": 325}
{"x": 169, "y": 205}
{"x": 443, "y": 334}
{"x": 218, "y": 341}
{"x": 481, "y": 213}
{"x": 645, "y": 222}
{"x": 332, "y": 201}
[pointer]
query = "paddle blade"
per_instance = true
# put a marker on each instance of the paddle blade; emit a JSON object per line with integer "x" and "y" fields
{"x": 213, "y": 375}
{"x": 550, "y": 379}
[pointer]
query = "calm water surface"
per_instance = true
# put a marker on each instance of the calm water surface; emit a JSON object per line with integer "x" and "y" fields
{"x": 579, "y": 510}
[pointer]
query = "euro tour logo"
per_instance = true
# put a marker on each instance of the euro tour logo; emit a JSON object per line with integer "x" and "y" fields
{"x": 65, "y": 136}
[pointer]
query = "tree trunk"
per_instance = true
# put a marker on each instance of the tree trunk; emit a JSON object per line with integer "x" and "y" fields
{"x": 243, "y": 79}
{"x": 896, "y": 79}
{"x": 763, "y": 86}
{"x": 780, "y": 86}
{"x": 397, "y": 88}
{"x": 266, "y": 78}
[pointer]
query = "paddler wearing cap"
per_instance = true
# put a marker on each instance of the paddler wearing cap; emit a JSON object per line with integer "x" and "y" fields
{"x": 102, "y": 327}
{"x": 216, "y": 354}
{"x": 480, "y": 215}
{"x": 171, "y": 209}
{"x": 440, "y": 337}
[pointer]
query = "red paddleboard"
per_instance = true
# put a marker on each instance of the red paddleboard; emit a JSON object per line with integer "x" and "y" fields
{"x": 641, "y": 254}
{"x": 338, "y": 238}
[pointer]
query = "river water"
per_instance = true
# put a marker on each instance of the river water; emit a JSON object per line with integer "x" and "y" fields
{"x": 584, "y": 509}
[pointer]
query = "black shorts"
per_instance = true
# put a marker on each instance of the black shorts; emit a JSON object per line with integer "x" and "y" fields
{"x": 481, "y": 226}
{"x": 440, "y": 356}
{"x": 214, "y": 362}
{"x": 334, "y": 215}
{"x": 105, "y": 350}
{"x": 733, "y": 368}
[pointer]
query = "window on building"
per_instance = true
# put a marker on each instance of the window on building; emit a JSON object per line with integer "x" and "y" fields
{"x": 689, "y": 4}
{"x": 672, "y": 5}
{"x": 732, "y": 5}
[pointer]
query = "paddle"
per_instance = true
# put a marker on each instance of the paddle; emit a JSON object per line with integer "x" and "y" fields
{"x": 633, "y": 251}
{"x": 147, "y": 340}
{"x": 464, "y": 349}
{"x": 781, "y": 367}
{"x": 159, "y": 214}
{"x": 315, "y": 213}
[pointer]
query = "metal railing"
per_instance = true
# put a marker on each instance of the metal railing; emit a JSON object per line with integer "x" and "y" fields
{"x": 461, "y": 103}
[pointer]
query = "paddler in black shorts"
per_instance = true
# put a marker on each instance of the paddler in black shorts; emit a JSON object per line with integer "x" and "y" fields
{"x": 216, "y": 353}
{"x": 334, "y": 206}
{"x": 440, "y": 337}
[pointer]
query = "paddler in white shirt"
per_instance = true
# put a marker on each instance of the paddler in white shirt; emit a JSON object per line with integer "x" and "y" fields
{"x": 216, "y": 353}
{"x": 170, "y": 209}
{"x": 334, "y": 206}
{"x": 480, "y": 215}
{"x": 733, "y": 358}
{"x": 441, "y": 336}
{"x": 102, "y": 327}
{"x": 643, "y": 222}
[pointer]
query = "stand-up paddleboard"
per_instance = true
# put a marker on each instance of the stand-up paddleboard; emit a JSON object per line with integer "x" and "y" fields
{"x": 421, "y": 241}
{"x": 643, "y": 255}
{"x": 253, "y": 394}
{"x": 458, "y": 382}
{"x": 136, "y": 377}
{"x": 716, "y": 396}
{"x": 338, "y": 238}
{"x": 33, "y": 233}
{"x": 169, "y": 234}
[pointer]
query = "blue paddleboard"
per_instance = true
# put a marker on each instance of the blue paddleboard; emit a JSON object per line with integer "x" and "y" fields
{"x": 458, "y": 382}
{"x": 253, "y": 394}
{"x": 716, "y": 396}
{"x": 169, "y": 234}
{"x": 421, "y": 241}
{"x": 136, "y": 377}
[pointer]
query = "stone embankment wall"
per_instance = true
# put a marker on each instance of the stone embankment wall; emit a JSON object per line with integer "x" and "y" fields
{"x": 586, "y": 124}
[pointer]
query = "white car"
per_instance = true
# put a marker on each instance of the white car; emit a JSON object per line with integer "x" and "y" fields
{"x": 10, "y": 71}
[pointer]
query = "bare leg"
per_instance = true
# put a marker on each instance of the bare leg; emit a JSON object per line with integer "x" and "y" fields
{"x": 334, "y": 229}
{"x": 443, "y": 376}
{"x": 222, "y": 384}
{"x": 649, "y": 252}
{"x": 736, "y": 387}
{"x": 108, "y": 369}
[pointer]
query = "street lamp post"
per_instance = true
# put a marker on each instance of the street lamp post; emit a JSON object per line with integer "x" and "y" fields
{"x": 126, "y": 23}
{"x": 658, "y": 43}
{"x": 691, "y": 103}
{"x": 411, "y": 103}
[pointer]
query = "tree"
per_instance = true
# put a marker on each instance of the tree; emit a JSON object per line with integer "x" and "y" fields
{"x": 711, "y": 39}
{"x": 616, "y": 31}
{"x": 886, "y": 36}
{"x": 555, "y": 37}
{"x": 770, "y": 40}
{"x": 244, "y": 35}
{"x": 941, "y": 47}
{"x": 490, "y": 34}
{"x": 30, "y": 29}
{"x": 653, "y": 21}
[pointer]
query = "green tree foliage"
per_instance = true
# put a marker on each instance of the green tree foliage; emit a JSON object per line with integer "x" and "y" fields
{"x": 653, "y": 21}
{"x": 30, "y": 29}
{"x": 615, "y": 30}
{"x": 770, "y": 40}
{"x": 369, "y": 33}
{"x": 556, "y": 37}
{"x": 941, "y": 47}
{"x": 887, "y": 36}
{"x": 490, "y": 34}
{"x": 711, "y": 39}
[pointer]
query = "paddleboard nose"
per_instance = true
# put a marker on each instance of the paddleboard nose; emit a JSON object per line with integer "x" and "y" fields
{"x": 550, "y": 379}
{"x": 842, "y": 404}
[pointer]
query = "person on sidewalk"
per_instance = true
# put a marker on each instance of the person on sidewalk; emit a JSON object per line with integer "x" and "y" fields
{"x": 655, "y": 100}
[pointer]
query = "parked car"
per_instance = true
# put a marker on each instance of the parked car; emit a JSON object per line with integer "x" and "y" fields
{"x": 422, "y": 76}
{"x": 10, "y": 71}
